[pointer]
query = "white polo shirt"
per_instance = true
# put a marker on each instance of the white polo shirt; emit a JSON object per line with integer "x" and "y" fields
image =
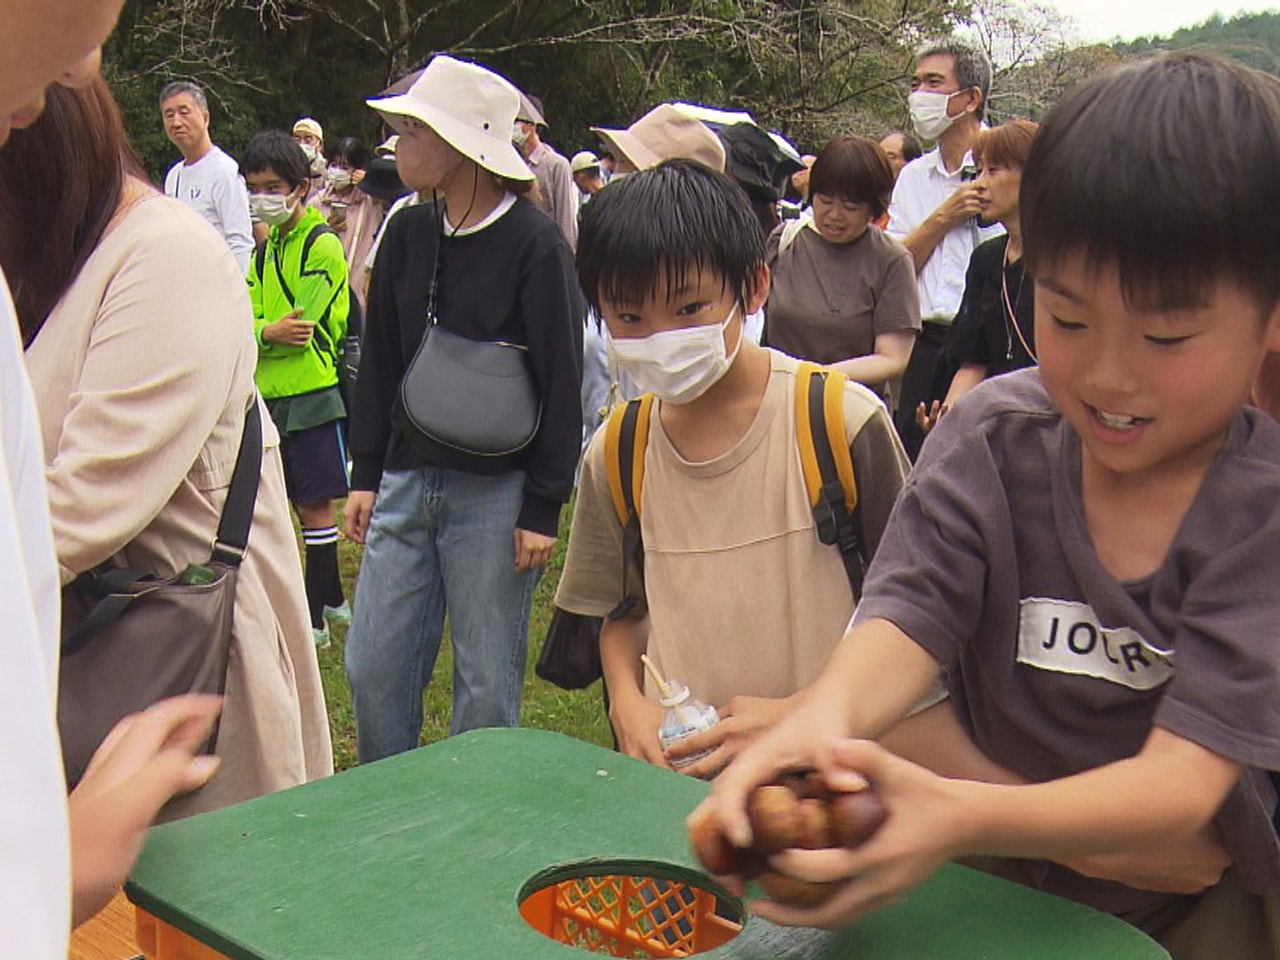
{"x": 923, "y": 186}
{"x": 35, "y": 858}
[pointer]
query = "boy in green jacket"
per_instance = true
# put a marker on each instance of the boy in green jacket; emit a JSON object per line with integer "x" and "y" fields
{"x": 298, "y": 286}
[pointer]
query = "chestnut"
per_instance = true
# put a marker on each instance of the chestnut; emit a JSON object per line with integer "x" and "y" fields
{"x": 795, "y": 892}
{"x": 776, "y": 819}
{"x": 856, "y": 816}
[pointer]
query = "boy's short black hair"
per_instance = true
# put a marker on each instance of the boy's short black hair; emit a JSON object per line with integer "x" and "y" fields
{"x": 1169, "y": 170}
{"x": 658, "y": 226}
{"x": 277, "y": 151}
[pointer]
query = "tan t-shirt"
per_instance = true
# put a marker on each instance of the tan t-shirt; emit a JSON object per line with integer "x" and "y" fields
{"x": 742, "y": 596}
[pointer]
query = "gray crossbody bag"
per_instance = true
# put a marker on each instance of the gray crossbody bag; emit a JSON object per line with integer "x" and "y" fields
{"x": 475, "y": 396}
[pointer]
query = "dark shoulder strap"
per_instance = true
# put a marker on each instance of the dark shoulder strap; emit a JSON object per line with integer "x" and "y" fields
{"x": 237, "y": 512}
{"x": 260, "y": 259}
{"x": 117, "y": 589}
{"x": 308, "y": 242}
{"x": 318, "y": 231}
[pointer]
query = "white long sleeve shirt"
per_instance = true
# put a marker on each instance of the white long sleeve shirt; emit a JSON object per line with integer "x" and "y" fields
{"x": 213, "y": 187}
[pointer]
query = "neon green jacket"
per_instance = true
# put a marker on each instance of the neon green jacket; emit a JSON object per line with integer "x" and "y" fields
{"x": 319, "y": 288}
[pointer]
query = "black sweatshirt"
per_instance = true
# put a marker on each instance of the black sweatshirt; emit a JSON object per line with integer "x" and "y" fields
{"x": 514, "y": 280}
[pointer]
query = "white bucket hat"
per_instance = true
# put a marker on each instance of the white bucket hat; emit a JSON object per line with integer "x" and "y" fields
{"x": 471, "y": 108}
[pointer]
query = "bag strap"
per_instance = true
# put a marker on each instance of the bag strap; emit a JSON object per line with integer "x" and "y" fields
{"x": 115, "y": 586}
{"x": 828, "y": 465}
{"x": 625, "y": 440}
{"x": 107, "y": 610}
{"x": 237, "y": 512}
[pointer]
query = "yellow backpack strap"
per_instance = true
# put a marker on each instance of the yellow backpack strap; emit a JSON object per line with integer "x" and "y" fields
{"x": 625, "y": 440}
{"x": 833, "y": 415}
{"x": 828, "y": 466}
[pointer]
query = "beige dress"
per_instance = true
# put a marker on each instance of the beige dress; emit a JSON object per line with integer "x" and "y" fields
{"x": 142, "y": 374}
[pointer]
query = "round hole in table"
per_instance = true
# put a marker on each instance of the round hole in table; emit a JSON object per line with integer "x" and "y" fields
{"x": 630, "y": 908}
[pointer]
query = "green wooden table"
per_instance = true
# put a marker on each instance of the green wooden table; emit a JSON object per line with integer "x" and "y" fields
{"x": 424, "y": 855}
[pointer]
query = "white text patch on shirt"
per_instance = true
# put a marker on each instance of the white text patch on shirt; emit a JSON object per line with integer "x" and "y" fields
{"x": 1066, "y": 637}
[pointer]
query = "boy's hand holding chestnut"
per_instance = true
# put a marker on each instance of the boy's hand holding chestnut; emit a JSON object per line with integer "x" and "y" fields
{"x": 826, "y": 856}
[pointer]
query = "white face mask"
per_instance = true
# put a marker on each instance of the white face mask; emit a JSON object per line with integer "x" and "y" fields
{"x": 929, "y": 113}
{"x": 309, "y": 149}
{"x": 677, "y": 366}
{"x": 338, "y": 177}
{"x": 518, "y": 136}
{"x": 270, "y": 208}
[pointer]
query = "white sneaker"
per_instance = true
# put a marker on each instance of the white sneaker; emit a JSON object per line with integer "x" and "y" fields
{"x": 321, "y": 636}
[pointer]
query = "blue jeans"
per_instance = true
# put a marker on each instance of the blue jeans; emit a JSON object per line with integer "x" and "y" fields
{"x": 439, "y": 540}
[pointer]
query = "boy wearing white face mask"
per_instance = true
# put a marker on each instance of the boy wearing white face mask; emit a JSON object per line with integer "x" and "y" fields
{"x": 298, "y": 288}
{"x": 935, "y": 208}
{"x": 739, "y": 598}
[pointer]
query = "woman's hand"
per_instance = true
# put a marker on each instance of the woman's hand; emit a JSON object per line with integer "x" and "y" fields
{"x": 145, "y": 761}
{"x": 927, "y": 417}
{"x": 532, "y": 549}
{"x": 357, "y": 514}
{"x": 741, "y": 721}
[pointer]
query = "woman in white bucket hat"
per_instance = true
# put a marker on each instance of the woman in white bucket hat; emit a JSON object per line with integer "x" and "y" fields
{"x": 445, "y": 530}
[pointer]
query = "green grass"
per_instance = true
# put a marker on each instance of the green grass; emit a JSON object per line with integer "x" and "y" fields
{"x": 578, "y": 713}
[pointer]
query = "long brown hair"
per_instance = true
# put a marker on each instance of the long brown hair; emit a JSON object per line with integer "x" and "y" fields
{"x": 60, "y": 185}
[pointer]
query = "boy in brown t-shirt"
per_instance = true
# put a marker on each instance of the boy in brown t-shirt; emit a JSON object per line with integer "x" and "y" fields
{"x": 739, "y": 598}
{"x": 1086, "y": 551}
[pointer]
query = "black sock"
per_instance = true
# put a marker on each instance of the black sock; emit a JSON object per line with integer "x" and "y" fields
{"x": 322, "y": 569}
{"x": 335, "y": 597}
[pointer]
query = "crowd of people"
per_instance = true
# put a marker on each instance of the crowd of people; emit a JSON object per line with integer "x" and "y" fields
{"x": 951, "y": 470}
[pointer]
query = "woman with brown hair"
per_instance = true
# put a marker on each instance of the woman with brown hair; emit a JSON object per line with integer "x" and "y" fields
{"x": 994, "y": 332}
{"x": 843, "y": 291}
{"x": 137, "y": 330}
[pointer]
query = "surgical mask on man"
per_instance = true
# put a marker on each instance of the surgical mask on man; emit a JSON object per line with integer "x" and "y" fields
{"x": 270, "y": 208}
{"x": 338, "y": 177}
{"x": 518, "y": 135}
{"x": 929, "y": 113}
{"x": 677, "y": 366}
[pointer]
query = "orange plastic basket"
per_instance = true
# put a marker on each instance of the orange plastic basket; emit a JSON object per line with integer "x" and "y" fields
{"x": 627, "y": 916}
{"x": 159, "y": 941}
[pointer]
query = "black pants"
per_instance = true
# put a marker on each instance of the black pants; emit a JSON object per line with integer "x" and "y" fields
{"x": 927, "y": 378}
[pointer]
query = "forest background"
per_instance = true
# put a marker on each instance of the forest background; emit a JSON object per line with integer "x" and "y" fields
{"x": 809, "y": 69}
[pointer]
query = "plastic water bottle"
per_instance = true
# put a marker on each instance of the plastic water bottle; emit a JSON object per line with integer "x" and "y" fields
{"x": 684, "y": 717}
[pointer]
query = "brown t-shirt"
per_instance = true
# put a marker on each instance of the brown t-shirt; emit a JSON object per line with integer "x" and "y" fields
{"x": 742, "y": 596}
{"x": 1053, "y": 664}
{"x": 828, "y": 302}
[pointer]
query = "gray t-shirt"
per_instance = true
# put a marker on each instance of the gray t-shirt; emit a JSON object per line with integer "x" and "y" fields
{"x": 828, "y": 302}
{"x": 1053, "y": 665}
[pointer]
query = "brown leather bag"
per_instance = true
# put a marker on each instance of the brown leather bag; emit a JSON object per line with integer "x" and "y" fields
{"x": 130, "y": 639}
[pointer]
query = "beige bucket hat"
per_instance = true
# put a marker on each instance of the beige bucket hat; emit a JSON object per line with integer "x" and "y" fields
{"x": 665, "y": 133}
{"x": 471, "y": 108}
